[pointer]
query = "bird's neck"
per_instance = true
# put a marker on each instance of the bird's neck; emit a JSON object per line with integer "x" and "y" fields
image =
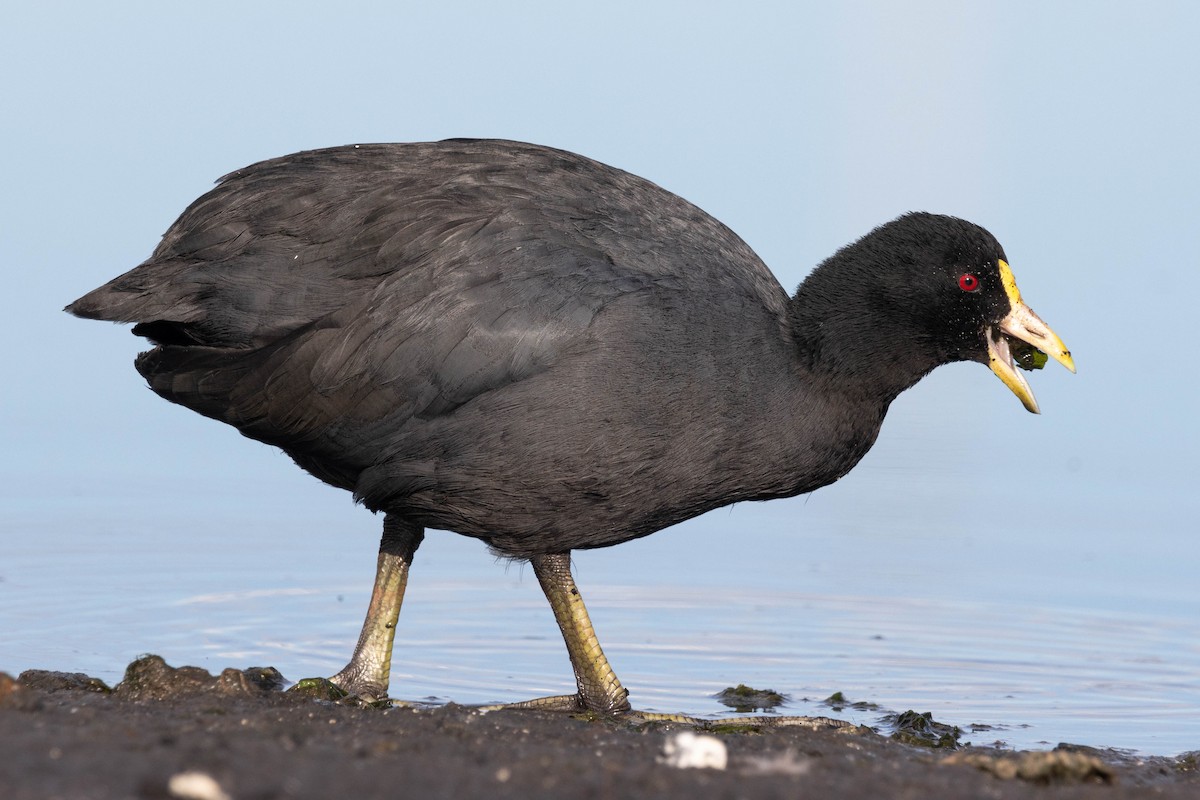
{"x": 853, "y": 344}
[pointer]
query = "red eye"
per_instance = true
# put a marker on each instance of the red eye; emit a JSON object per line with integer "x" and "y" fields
{"x": 968, "y": 282}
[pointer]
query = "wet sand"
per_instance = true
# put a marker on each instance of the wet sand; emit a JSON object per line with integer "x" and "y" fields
{"x": 166, "y": 732}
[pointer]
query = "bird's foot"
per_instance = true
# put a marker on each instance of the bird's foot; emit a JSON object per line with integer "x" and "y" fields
{"x": 616, "y": 704}
{"x": 574, "y": 703}
{"x": 560, "y": 702}
{"x": 751, "y": 723}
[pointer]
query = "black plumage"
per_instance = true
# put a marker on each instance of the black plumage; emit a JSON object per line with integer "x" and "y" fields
{"x": 526, "y": 346}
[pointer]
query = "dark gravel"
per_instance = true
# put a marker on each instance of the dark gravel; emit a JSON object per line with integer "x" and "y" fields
{"x": 237, "y": 735}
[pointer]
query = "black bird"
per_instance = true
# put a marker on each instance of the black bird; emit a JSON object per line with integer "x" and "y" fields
{"x": 525, "y": 346}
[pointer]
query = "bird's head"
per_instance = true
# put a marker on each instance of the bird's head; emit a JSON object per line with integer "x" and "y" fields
{"x": 920, "y": 291}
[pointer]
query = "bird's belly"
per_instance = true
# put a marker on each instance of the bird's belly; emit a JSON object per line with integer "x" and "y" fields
{"x": 620, "y": 484}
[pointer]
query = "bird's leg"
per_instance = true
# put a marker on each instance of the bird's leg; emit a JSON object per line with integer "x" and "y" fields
{"x": 367, "y": 673}
{"x": 599, "y": 689}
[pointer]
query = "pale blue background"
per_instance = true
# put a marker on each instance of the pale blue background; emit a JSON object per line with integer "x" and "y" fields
{"x": 1069, "y": 130}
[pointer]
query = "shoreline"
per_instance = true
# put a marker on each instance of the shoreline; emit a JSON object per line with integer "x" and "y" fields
{"x": 182, "y": 732}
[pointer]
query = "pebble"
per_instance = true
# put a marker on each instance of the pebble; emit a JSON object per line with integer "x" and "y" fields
{"x": 689, "y": 750}
{"x": 196, "y": 786}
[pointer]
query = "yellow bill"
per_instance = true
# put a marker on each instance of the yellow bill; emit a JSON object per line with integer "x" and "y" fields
{"x": 1021, "y": 323}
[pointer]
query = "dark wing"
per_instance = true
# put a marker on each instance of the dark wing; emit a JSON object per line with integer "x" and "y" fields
{"x": 419, "y": 345}
{"x": 282, "y": 243}
{"x": 334, "y": 302}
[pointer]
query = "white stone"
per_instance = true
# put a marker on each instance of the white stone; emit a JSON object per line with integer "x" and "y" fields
{"x": 689, "y": 750}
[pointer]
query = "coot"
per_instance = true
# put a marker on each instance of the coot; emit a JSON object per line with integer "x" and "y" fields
{"x": 526, "y": 346}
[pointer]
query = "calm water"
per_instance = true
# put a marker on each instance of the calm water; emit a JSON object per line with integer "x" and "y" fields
{"x": 87, "y": 586}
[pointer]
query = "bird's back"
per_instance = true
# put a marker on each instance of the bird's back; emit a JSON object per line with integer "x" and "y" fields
{"x": 284, "y": 242}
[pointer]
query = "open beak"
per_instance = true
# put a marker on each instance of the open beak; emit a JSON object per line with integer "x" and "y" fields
{"x": 1021, "y": 323}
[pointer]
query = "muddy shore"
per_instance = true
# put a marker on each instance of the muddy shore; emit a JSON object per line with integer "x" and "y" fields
{"x": 165, "y": 732}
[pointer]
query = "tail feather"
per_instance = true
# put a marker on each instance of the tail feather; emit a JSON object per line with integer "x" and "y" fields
{"x": 179, "y": 302}
{"x": 147, "y": 293}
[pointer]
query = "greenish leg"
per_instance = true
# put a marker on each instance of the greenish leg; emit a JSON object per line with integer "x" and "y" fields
{"x": 599, "y": 689}
{"x": 371, "y": 665}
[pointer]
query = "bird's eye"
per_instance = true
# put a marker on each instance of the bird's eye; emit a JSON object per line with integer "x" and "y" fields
{"x": 968, "y": 282}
